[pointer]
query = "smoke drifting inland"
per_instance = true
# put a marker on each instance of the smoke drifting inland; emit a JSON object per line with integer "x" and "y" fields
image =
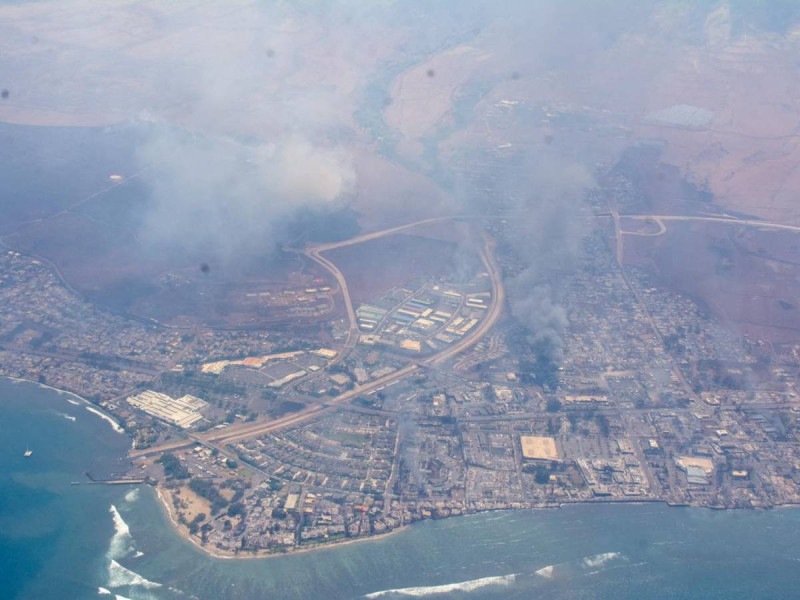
{"x": 546, "y": 237}
{"x": 218, "y": 198}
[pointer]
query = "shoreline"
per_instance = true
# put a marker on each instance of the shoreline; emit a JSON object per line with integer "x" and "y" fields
{"x": 161, "y": 495}
{"x": 263, "y": 553}
{"x": 91, "y": 407}
{"x": 248, "y": 555}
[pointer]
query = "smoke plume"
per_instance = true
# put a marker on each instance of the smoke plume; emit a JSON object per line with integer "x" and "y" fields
{"x": 225, "y": 199}
{"x": 546, "y": 237}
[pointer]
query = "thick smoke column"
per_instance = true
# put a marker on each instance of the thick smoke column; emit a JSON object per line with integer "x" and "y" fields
{"x": 536, "y": 307}
{"x": 546, "y": 238}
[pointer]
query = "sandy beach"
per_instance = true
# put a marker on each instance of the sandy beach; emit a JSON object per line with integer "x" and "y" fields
{"x": 165, "y": 498}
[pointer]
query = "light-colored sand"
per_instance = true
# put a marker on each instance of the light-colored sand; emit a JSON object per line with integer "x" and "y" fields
{"x": 165, "y": 497}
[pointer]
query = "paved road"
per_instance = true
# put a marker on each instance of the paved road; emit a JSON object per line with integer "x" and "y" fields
{"x": 731, "y": 221}
{"x": 352, "y": 332}
{"x": 236, "y": 433}
{"x": 662, "y": 229}
{"x": 360, "y": 239}
{"x": 314, "y": 252}
{"x": 121, "y": 363}
{"x": 245, "y": 431}
{"x": 493, "y": 312}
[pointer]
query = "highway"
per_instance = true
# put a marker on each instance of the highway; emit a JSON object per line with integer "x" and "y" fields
{"x": 493, "y": 312}
{"x": 298, "y": 417}
{"x": 352, "y": 332}
{"x": 244, "y": 431}
{"x": 314, "y": 252}
{"x": 237, "y": 433}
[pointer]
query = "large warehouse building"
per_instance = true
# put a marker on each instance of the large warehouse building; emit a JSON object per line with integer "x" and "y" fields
{"x": 183, "y": 412}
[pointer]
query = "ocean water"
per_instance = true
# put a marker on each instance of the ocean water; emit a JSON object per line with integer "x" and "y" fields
{"x": 88, "y": 541}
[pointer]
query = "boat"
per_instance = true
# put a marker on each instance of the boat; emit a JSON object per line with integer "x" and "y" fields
{"x": 28, "y": 452}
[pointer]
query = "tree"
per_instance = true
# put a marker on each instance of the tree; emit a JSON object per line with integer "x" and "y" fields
{"x": 173, "y": 468}
{"x": 553, "y": 405}
{"x": 542, "y": 474}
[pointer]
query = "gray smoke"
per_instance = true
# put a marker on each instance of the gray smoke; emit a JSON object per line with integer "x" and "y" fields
{"x": 409, "y": 448}
{"x": 545, "y": 236}
{"x": 221, "y": 198}
{"x": 287, "y": 82}
{"x": 536, "y": 307}
{"x": 251, "y": 125}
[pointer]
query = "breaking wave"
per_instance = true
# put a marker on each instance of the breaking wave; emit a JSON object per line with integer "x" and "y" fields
{"x": 463, "y": 586}
{"x": 132, "y": 496}
{"x": 120, "y": 544}
{"x": 106, "y": 418}
{"x": 119, "y": 576}
{"x": 598, "y": 560}
{"x": 546, "y": 572}
{"x": 106, "y": 592}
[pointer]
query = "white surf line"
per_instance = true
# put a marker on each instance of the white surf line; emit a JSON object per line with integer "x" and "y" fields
{"x": 598, "y": 560}
{"x": 119, "y": 576}
{"x": 462, "y": 586}
{"x": 89, "y": 406}
{"x": 120, "y": 544}
{"x": 114, "y": 425}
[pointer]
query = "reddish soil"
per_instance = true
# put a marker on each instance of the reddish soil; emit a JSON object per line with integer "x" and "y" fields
{"x": 376, "y": 266}
{"x": 748, "y": 277}
{"x": 107, "y": 266}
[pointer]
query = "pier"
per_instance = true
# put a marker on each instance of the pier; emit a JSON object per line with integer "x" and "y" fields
{"x": 119, "y": 481}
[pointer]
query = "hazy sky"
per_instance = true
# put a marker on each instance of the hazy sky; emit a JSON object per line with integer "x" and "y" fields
{"x": 258, "y": 109}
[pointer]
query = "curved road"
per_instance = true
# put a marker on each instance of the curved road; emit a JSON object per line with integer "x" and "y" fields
{"x": 236, "y": 433}
{"x": 662, "y": 228}
{"x": 314, "y": 252}
{"x": 730, "y": 221}
{"x": 352, "y": 332}
{"x": 493, "y": 312}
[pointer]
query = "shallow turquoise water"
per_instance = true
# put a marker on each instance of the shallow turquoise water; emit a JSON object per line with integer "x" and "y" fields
{"x": 58, "y": 540}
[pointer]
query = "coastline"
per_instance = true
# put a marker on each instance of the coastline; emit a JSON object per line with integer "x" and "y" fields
{"x": 226, "y": 555}
{"x": 162, "y": 495}
{"x": 92, "y": 408}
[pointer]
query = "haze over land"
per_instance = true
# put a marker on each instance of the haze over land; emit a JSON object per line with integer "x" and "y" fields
{"x": 232, "y": 118}
{"x": 337, "y": 267}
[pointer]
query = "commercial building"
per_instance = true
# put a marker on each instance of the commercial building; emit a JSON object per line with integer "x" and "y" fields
{"x": 183, "y": 411}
